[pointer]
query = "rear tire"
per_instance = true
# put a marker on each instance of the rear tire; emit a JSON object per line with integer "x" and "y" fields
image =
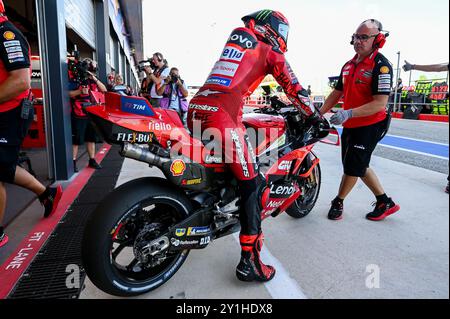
{"x": 114, "y": 222}
{"x": 310, "y": 193}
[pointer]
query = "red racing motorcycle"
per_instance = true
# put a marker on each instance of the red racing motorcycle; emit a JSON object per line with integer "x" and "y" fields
{"x": 139, "y": 236}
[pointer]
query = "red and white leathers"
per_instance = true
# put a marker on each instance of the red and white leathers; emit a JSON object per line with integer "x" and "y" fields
{"x": 243, "y": 64}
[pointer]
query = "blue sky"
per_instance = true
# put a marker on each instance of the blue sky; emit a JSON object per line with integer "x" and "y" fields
{"x": 191, "y": 34}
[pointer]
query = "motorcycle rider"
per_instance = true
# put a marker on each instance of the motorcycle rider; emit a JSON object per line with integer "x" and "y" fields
{"x": 251, "y": 53}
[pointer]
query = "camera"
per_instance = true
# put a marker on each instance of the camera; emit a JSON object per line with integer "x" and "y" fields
{"x": 78, "y": 71}
{"x": 174, "y": 78}
{"x": 146, "y": 63}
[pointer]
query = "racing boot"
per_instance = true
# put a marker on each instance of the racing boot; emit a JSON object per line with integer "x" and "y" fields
{"x": 251, "y": 267}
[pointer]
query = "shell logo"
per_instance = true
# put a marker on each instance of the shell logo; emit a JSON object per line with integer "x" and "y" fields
{"x": 8, "y": 35}
{"x": 178, "y": 167}
{"x": 384, "y": 70}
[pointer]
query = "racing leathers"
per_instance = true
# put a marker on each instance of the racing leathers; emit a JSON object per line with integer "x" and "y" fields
{"x": 244, "y": 63}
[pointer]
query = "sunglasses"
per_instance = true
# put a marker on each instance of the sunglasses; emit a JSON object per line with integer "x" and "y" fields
{"x": 362, "y": 37}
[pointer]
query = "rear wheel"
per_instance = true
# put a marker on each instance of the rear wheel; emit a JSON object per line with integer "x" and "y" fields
{"x": 124, "y": 249}
{"x": 310, "y": 188}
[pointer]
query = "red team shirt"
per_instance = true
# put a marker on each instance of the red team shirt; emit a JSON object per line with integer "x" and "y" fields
{"x": 14, "y": 55}
{"x": 360, "y": 82}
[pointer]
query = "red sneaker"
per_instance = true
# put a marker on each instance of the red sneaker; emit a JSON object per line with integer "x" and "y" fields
{"x": 383, "y": 210}
{"x": 3, "y": 240}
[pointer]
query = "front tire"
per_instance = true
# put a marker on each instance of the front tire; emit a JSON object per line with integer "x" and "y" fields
{"x": 310, "y": 193}
{"x": 132, "y": 215}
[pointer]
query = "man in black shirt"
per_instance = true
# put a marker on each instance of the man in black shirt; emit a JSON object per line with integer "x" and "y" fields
{"x": 16, "y": 114}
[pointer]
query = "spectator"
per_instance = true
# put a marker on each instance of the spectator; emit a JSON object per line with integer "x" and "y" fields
{"x": 82, "y": 129}
{"x": 118, "y": 80}
{"x": 155, "y": 75}
{"x": 120, "y": 87}
{"x": 309, "y": 90}
{"x": 174, "y": 93}
{"x": 16, "y": 114}
{"x": 111, "y": 80}
{"x": 365, "y": 82}
{"x": 429, "y": 68}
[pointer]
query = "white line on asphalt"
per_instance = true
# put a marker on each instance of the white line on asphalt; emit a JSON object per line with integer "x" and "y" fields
{"x": 416, "y": 139}
{"x": 411, "y": 151}
{"x": 282, "y": 286}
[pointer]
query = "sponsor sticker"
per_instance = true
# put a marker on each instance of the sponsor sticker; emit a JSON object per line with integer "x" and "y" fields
{"x": 243, "y": 39}
{"x": 9, "y": 44}
{"x": 204, "y": 107}
{"x": 219, "y": 81}
{"x": 135, "y": 106}
{"x": 285, "y": 166}
{"x": 384, "y": 76}
{"x": 17, "y": 60}
{"x": 385, "y": 81}
{"x": 281, "y": 191}
{"x": 384, "y": 70}
{"x": 8, "y": 35}
{"x": 178, "y": 167}
{"x": 205, "y": 240}
{"x": 207, "y": 93}
{"x": 367, "y": 74}
{"x": 134, "y": 137}
{"x": 213, "y": 159}
{"x": 345, "y": 73}
{"x": 14, "y": 49}
{"x": 225, "y": 68}
{"x": 15, "y": 55}
{"x": 188, "y": 182}
{"x": 240, "y": 153}
{"x": 232, "y": 53}
{"x": 273, "y": 204}
{"x": 177, "y": 242}
{"x": 159, "y": 126}
{"x": 180, "y": 232}
{"x": 195, "y": 231}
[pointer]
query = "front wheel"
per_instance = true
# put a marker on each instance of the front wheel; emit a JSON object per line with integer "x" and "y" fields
{"x": 117, "y": 237}
{"x": 310, "y": 188}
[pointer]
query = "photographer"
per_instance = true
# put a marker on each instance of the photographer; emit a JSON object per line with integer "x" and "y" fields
{"x": 82, "y": 81}
{"x": 174, "y": 93}
{"x": 156, "y": 70}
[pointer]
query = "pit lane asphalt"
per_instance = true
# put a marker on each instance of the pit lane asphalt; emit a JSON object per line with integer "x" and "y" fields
{"x": 329, "y": 259}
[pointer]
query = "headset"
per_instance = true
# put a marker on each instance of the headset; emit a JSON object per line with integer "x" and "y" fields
{"x": 380, "y": 39}
{"x": 159, "y": 56}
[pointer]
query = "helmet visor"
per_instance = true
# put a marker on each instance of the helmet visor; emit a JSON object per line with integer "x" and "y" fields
{"x": 283, "y": 31}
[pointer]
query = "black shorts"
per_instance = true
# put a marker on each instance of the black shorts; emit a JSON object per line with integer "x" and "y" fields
{"x": 83, "y": 131}
{"x": 358, "y": 145}
{"x": 13, "y": 130}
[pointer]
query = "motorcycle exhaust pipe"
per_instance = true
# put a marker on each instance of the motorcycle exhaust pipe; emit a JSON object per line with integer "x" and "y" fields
{"x": 142, "y": 155}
